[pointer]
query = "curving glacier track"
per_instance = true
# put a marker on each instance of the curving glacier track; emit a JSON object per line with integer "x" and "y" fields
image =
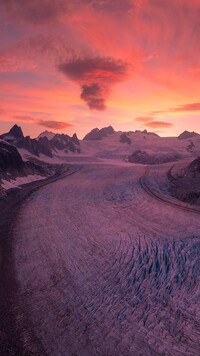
{"x": 103, "y": 268}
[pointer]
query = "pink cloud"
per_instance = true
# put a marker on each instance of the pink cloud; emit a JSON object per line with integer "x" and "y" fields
{"x": 143, "y": 119}
{"x": 31, "y": 52}
{"x": 158, "y": 38}
{"x": 187, "y": 107}
{"x": 24, "y": 118}
{"x": 181, "y": 108}
{"x": 34, "y": 12}
{"x": 159, "y": 124}
{"x": 56, "y": 125}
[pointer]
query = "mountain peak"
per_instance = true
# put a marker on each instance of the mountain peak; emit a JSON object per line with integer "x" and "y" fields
{"x": 98, "y": 134}
{"x": 48, "y": 134}
{"x": 187, "y": 134}
{"x": 16, "y": 131}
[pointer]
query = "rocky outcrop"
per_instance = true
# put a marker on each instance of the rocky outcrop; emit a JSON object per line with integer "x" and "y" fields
{"x": 185, "y": 185}
{"x": 10, "y": 159}
{"x": 191, "y": 146}
{"x": 98, "y": 134}
{"x": 193, "y": 168}
{"x": 75, "y": 139}
{"x": 35, "y": 147}
{"x": 65, "y": 142}
{"x": 143, "y": 157}
{"x": 125, "y": 139}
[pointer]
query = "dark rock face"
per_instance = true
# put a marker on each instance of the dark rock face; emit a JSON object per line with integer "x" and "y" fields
{"x": 186, "y": 134}
{"x": 190, "y": 146}
{"x": 143, "y": 157}
{"x": 75, "y": 139}
{"x": 43, "y": 144}
{"x": 186, "y": 185}
{"x": 10, "y": 158}
{"x": 93, "y": 135}
{"x": 16, "y": 132}
{"x": 97, "y": 134}
{"x": 194, "y": 167}
{"x": 35, "y": 147}
{"x": 125, "y": 139}
{"x": 12, "y": 165}
{"x": 65, "y": 142}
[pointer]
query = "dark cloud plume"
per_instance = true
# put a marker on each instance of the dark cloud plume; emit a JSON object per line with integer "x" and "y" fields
{"x": 102, "y": 68}
{"x": 56, "y": 125}
{"x": 96, "y": 77}
{"x": 92, "y": 95}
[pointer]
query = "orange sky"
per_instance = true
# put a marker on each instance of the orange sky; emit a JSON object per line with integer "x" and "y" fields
{"x": 74, "y": 65}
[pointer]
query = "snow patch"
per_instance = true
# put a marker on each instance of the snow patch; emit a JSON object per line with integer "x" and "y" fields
{"x": 14, "y": 183}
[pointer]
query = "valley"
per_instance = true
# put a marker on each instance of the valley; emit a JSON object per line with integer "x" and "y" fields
{"x": 101, "y": 259}
{"x": 103, "y": 266}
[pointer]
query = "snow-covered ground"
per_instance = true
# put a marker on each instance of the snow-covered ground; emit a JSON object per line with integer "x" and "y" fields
{"x": 110, "y": 148}
{"x": 16, "y": 183}
{"x": 106, "y": 269}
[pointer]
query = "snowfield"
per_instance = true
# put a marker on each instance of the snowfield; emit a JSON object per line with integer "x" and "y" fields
{"x": 104, "y": 268}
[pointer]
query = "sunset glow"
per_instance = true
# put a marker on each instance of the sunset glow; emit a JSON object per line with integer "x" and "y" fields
{"x": 74, "y": 65}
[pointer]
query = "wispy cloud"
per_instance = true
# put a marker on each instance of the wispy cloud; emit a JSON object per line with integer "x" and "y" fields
{"x": 28, "y": 54}
{"x": 25, "y": 118}
{"x": 187, "y": 107}
{"x": 143, "y": 119}
{"x": 34, "y": 12}
{"x": 181, "y": 108}
{"x": 56, "y": 125}
{"x": 158, "y": 124}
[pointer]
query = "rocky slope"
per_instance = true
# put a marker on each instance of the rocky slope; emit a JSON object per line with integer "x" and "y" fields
{"x": 142, "y": 157}
{"x": 185, "y": 183}
{"x": 42, "y": 145}
{"x": 124, "y": 138}
{"x": 13, "y": 168}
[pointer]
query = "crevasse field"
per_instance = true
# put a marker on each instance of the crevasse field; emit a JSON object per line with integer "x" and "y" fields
{"x": 107, "y": 268}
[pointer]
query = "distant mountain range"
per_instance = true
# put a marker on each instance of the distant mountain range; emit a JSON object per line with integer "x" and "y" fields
{"x": 45, "y": 143}
{"x": 22, "y": 156}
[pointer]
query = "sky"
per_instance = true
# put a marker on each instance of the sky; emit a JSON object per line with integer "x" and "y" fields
{"x": 72, "y": 65}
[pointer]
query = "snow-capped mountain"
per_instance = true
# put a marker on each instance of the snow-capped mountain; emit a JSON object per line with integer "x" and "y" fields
{"x": 46, "y": 143}
{"x": 47, "y": 134}
{"x": 23, "y": 159}
{"x": 101, "y": 145}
